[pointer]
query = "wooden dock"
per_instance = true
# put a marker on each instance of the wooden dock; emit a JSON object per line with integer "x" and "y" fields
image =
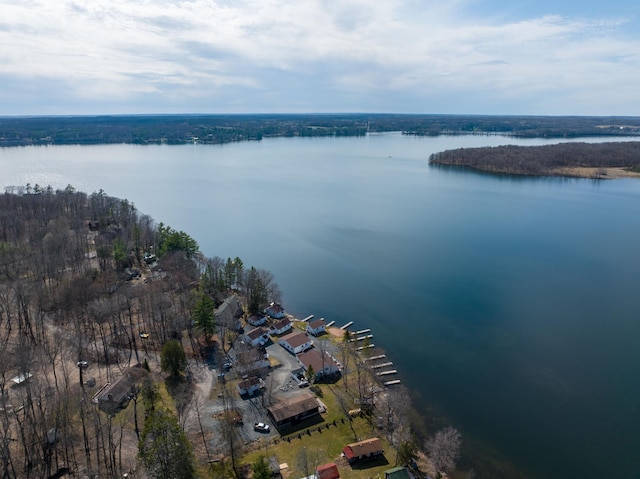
{"x": 346, "y": 325}
{"x": 361, "y": 338}
{"x": 308, "y": 318}
{"x": 363, "y": 331}
{"x": 381, "y": 365}
{"x": 330, "y": 324}
{"x": 391, "y": 383}
{"x": 386, "y": 373}
{"x": 373, "y": 358}
{"x": 365, "y": 347}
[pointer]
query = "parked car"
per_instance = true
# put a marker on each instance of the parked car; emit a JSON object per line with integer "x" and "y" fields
{"x": 261, "y": 427}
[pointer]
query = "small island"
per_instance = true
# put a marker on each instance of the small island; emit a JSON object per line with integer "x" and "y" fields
{"x": 582, "y": 160}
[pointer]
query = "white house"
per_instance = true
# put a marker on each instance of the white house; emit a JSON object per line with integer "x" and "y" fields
{"x": 323, "y": 364}
{"x": 281, "y": 326}
{"x": 250, "y": 360}
{"x": 250, "y": 386}
{"x": 275, "y": 310}
{"x": 257, "y": 337}
{"x": 316, "y": 327}
{"x": 257, "y": 319}
{"x": 296, "y": 342}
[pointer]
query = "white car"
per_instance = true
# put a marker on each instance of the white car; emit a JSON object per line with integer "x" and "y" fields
{"x": 261, "y": 427}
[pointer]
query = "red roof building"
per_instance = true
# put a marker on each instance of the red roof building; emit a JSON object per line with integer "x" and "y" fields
{"x": 363, "y": 449}
{"x": 328, "y": 471}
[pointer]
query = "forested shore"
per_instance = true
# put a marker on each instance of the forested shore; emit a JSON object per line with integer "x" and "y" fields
{"x": 593, "y": 160}
{"x": 218, "y": 129}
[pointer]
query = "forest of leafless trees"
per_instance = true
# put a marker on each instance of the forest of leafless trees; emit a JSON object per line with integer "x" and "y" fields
{"x": 547, "y": 160}
{"x": 80, "y": 306}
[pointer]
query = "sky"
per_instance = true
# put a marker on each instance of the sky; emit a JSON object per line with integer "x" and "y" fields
{"x": 534, "y": 57}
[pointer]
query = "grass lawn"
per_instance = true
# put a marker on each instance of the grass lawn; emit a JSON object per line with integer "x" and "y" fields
{"x": 323, "y": 441}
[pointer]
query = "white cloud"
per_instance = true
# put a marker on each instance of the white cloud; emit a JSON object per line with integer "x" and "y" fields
{"x": 196, "y": 55}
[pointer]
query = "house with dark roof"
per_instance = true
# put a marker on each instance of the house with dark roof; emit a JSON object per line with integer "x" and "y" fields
{"x": 294, "y": 409}
{"x": 281, "y": 327}
{"x": 324, "y": 364}
{"x": 296, "y": 342}
{"x": 256, "y": 320}
{"x": 398, "y": 473}
{"x": 251, "y": 360}
{"x": 116, "y": 396}
{"x": 230, "y": 312}
{"x": 316, "y": 327}
{"x": 257, "y": 337}
{"x": 275, "y": 310}
{"x": 249, "y": 387}
{"x": 358, "y": 451}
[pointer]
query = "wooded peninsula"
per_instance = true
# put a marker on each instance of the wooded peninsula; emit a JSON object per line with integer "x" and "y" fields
{"x": 590, "y": 160}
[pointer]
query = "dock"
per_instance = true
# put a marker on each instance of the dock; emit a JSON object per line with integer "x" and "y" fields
{"x": 330, "y": 324}
{"x": 346, "y": 325}
{"x": 363, "y": 331}
{"x": 391, "y": 383}
{"x": 361, "y": 338}
{"x": 386, "y": 373}
{"x": 382, "y": 365}
{"x": 373, "y": 358}
{"x": 308, "y": 318}
{"x": 365, "y": 347}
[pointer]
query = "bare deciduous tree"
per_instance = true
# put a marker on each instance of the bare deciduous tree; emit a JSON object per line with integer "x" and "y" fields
{"x": 443, "y": 449}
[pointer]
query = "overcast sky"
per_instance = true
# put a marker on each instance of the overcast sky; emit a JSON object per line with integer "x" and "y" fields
{"x": 243, "y": 56}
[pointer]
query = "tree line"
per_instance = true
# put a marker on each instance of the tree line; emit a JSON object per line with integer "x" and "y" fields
{"x": 543, "y": 160}
{"x": 217, "y": 129}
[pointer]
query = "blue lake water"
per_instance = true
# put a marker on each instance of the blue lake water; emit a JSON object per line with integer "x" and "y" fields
{"x": 511, "y": 306}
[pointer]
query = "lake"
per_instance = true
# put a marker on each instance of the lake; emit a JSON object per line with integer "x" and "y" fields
{"x": 511, "y": 306}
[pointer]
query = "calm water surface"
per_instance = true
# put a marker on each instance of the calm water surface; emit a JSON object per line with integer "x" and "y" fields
{"x": 510, "y": 305}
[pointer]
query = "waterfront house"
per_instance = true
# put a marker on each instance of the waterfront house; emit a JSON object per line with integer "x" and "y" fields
{"x": 256, "y": 320}
{"x": 358, "y": 451}
{"x": 281, "y": 327}
{"x": 327, "y": 471}
{"x": 316, "y": 327}
{"x": 275, "y": 310}
{"x": 249, "y": 387}
{"x": 289, "y": 411}
{"x": 324, "y": 364}
{"x": 257, "y": 337}
{"x": 296, "y": 342}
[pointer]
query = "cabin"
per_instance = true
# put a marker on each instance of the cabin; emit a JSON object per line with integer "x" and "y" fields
{"x": 358, "y": 451}
{"x": 294, "y": 409}
{"x": 256, "y": 320}
{"x": 115, "y": 396}
{"x": 328, "y": 471}
{"x": 296, "y": 342}
{"x": 398, "y": 473}
{"x": 249, "y": 387}
{"x": 281, "y": 326}
{"x": 275, "y": 310}
{"x": 257, "y": 337}
{"x": 316, "y": 327}
{"x": 230, "y": 312}
{"x": 324, "y": 364}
